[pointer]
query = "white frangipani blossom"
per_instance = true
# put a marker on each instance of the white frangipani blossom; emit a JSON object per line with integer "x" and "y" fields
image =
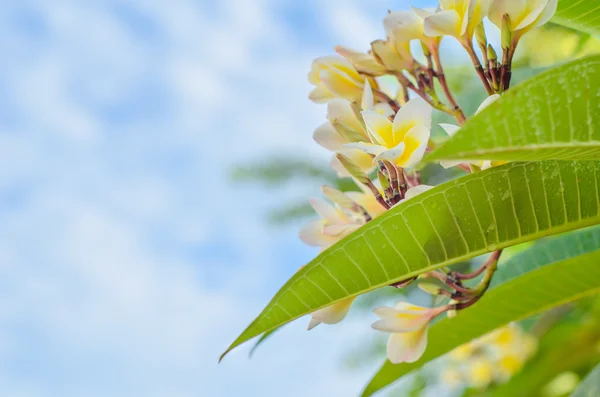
{"x": 403, "y": 141}
{"x": 335, "y": 77}
{"x": 408, "y": 325}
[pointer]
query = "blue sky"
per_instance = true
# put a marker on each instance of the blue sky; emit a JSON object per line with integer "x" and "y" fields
{"x": 128, "y": 259}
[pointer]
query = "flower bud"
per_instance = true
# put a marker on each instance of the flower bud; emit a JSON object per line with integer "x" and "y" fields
{"x": 506, "y": 32}
{"x": 491, "y": 53}
{"x": 480, "y": 35}
{"x": 430, "y": 288}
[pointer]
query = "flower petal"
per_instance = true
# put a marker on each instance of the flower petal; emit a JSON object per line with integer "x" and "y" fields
{"x": 416, "y": 141}
{"x": 340, "y": 230}
{"x": 365, "y": 147}
{"x": 547, "y": 13}
{"x": 332, "y": 314}
{"x": 531, "y": 17}
{"x": 487, "y": 102}
{"x": 513, "y": 8}
{"x": 450, "y": 129}
{"x": 327, "y": 211}
{"x": 328, "y": 137}
{"x": 367, "y": 101}
{"x": 444, "y": 23}
{"x": 416, "y": 190}
{"x": 379, "y": 127}
{"x": 341, "y": 84}
{"x": 407, "y": 347}
{"x": 392, "y": 155}
{"x": 312, "y": 234}
{"x": 412, "y": 113}
{"x": 403, "y": 26}
{"x": 321, "y": 94}
{"x": 341, "y": 110}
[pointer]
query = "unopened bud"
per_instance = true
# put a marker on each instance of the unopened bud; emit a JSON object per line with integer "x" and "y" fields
{"x": 491, "y": 53}
{"x": 506, "y": 32}
{"x": 480, "y": 35}
{"x": 353, "y": 169}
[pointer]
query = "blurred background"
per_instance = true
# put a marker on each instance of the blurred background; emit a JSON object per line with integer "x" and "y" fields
{"x": 155, "y": 160}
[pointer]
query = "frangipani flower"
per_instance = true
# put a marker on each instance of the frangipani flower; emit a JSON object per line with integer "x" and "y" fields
{"x": 408, "y": 327}
{"x": 457, "y": 18}
{"x": 402, "y": 142}
{"x": 524, "y": 15}
{"x": 405, "y": 26}
{"x": 345, "y": 215}
{"x": 344, "y": 126}
{"x": 364, "y": 63}
{"x": 452, "y": 129}
{"x": 335, "y": 77}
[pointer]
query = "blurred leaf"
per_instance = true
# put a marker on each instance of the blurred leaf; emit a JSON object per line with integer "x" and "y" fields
{"x": 291, "y": 213}
{"x": 552, "y": 116}
{"x": 583, "y": 15}
{"x": 276, "y": 171}
{"x": 590, "y": 387}
{"x": 525, "y": 285}
{"x": 527, "y": 198}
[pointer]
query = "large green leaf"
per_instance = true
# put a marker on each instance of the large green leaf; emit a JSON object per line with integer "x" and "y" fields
{"x": 590, "y": 387}
{"x": 555, "y": 115}
{"x": 461, "y": 219}
{"x": 581, "y": 15}
{"x": 549, "y": 274}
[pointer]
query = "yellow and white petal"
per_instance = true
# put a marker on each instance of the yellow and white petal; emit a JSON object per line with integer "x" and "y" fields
{"x": 327, "y": 136}
{"x": 332, "y": 314}
{"x": 416, "y": 190}
{"x": 547, "y": 13}
{"x": 341, "y": 84}
{"x": 365, "y": 147}
{"x": 487, "y": 102}
{"x": 312, "y": 234}
{"x": 368, "y": 101}
{"x": 481, "y": 373}
{"x": 516, "y": 9}
{"x": 368, "y": 202}
{"x": 358, "y": 157}
{"x": 328, "y": 212}
{"x": 407, "y": 347}
{"x": 395, "y": 321}
{"x": 384, "y": 109}
{"x": 444, "y": 23}
{"x": 392, "y": 155}
{"x": 413, "y": 113}
{"x": 393, "y": 56}
{"x": 403, "y": 26}
{"x": 341, "y": 110}
{"x": 364, "y": 63}
{"x": 534, "y": 10}
{"x": 416, "y": 141}
{"x": 379, "y": 128}
{"x": 321, "y": 94}
{"x": 423, "y": 12}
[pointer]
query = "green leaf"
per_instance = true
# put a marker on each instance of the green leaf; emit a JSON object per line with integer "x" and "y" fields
{"x": 555, "y": 115}
{"x": 590, "y": 387}
{"x": 550, "y": 274}
{"x": 458, "y": 220}
{"x": 581, "y": 15}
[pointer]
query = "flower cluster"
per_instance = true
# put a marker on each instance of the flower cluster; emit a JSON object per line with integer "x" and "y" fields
{"x": 378, "y": 135}
{"x": 493, "y": 358}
